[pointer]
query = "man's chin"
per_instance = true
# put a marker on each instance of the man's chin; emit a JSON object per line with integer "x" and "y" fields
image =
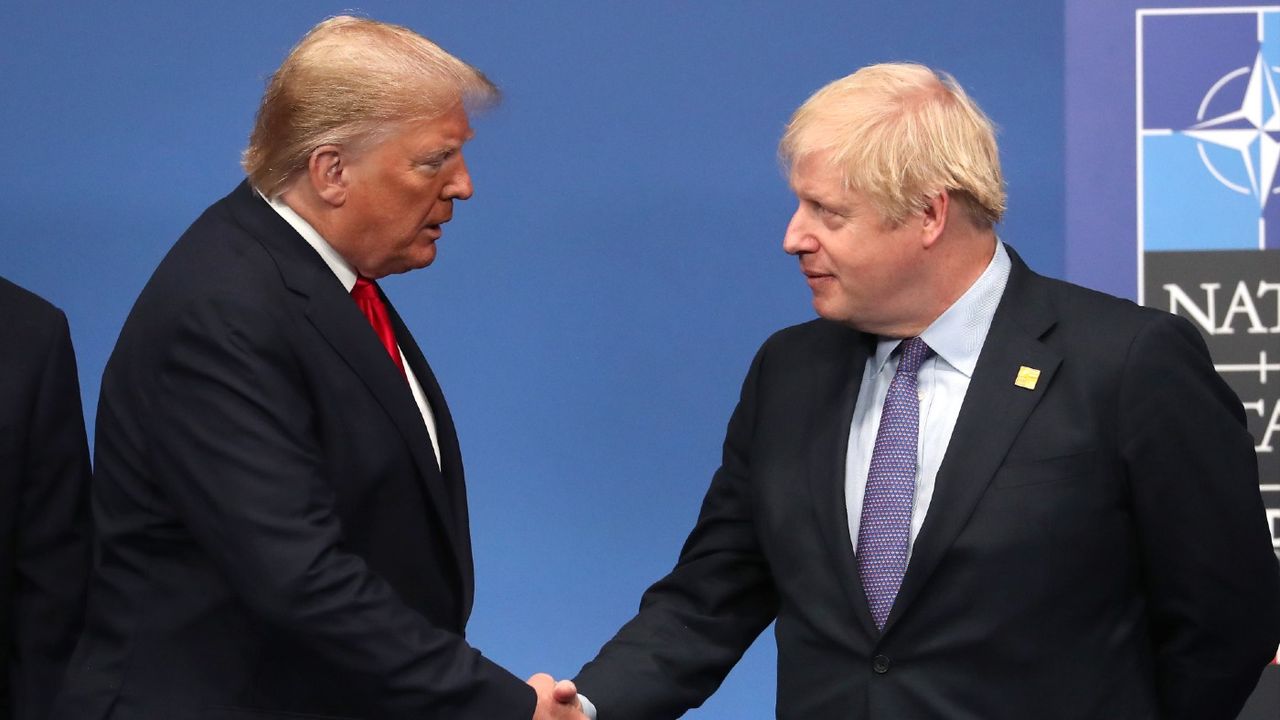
{"x": 420, "y": 259}
{"x": 426, "y": 258}
{"x": 825, "y": 310}
{"x": 404, "y": 265}
{"x": 838, "y": 315}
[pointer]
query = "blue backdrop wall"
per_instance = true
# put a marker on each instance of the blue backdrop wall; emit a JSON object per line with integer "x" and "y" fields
{"x": 594, "y": 307}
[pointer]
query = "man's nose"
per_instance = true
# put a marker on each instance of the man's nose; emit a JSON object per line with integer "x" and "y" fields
{"x": 797, "y": 239}
{"x": 459, "y": 186}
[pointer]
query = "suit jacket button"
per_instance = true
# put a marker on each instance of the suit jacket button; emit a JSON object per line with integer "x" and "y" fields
{"x": 880, "y": 664}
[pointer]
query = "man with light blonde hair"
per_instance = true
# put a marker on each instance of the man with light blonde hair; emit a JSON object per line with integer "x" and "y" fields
{"x": 966, "y": 491}
{"x": 282, "y": 518}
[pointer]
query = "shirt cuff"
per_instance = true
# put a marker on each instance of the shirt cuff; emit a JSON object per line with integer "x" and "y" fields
{"x": 587, "y": 708}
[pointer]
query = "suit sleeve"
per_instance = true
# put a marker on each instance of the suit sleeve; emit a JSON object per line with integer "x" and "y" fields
{"x": 53, "y": 538}
{"x": 694, "y": 624}
{"x": 233, "y": 438}
{"x": 1213, "y": 584}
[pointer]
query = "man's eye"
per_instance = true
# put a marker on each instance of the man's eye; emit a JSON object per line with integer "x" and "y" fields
{"x": 436, "y": 161}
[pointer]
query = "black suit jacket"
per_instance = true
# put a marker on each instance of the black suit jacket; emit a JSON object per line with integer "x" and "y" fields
{"x": 1095, "y": 546}
{"x": 276, "y": 537}
{"x": 44, "y": 510}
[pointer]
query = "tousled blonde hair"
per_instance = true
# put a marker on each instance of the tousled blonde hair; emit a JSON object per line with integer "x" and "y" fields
{"x": 350, "y": 81}
{"x": 901, "y": 133}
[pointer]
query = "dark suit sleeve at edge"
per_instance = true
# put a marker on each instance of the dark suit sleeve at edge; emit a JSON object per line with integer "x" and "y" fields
{"x": 1213, "y": 585}
{"x": 695, "y": 623}
{"x": 233, "y": 440}
{"x": 53, "y": 538}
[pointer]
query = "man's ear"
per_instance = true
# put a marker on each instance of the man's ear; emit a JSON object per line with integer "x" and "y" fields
{"x": 934, "y": 217}
{"x": 327, "y": 173}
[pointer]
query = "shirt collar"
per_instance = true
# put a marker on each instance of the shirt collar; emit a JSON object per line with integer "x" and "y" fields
{"x": 957, "y": 335}
{"x": 341, "y": 268}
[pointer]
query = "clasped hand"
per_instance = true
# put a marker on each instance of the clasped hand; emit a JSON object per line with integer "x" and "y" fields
{"x": 556, "y": 700}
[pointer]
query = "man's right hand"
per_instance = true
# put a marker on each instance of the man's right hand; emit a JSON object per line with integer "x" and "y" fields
{"x": 556, "y": 700}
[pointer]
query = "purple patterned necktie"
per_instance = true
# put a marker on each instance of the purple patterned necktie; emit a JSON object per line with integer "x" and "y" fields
{"x": 885, "y": 529}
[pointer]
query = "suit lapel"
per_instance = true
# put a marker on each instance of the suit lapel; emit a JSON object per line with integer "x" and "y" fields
{"x": 451, "y": 476}
{"x": 993, "y": 413}
{"x": 348, "y": 332}
{"x": 330, "y": 310}
{"x": 835, "y": 391}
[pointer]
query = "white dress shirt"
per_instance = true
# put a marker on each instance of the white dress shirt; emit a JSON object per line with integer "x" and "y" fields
{"x": 347, "y": 276}
{"x": 956, "y": 338}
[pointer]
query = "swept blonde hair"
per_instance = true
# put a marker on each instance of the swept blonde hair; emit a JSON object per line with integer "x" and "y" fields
{"x": 901, "y": 133}
{"x": 350, "y": 81}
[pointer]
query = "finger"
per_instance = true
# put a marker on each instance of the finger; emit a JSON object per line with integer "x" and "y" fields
{"x": 566, "y": 692}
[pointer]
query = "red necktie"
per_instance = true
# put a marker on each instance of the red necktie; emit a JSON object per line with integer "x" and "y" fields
{"x": 365, "y": 293}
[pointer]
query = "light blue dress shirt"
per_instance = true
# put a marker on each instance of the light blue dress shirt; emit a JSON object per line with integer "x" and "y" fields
{"x": 956, "y": 338}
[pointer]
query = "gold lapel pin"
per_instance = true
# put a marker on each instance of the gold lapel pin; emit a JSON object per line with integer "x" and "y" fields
{"x": 1027, "y": 377}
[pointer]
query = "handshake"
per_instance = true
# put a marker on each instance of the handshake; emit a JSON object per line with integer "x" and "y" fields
{"x": 556, "y": 700}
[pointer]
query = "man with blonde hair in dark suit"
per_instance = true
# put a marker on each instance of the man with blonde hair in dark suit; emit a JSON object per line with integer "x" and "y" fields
{"x": 967, "y": 491}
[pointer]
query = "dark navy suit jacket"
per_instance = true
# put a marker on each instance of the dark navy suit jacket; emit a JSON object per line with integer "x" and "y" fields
{"x": 45, "y": 530}
{"x": 277, "y": 540}
{"x": 1095, "y": 547}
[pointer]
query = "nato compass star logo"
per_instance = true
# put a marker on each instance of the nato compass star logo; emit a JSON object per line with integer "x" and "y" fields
{"x": 1209, "y": 129}
{"x": 1250, "y": 128}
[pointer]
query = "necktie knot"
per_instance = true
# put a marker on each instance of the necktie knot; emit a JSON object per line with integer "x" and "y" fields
{"x": 365, "y": 290}
{"x": 914, "y": 352}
